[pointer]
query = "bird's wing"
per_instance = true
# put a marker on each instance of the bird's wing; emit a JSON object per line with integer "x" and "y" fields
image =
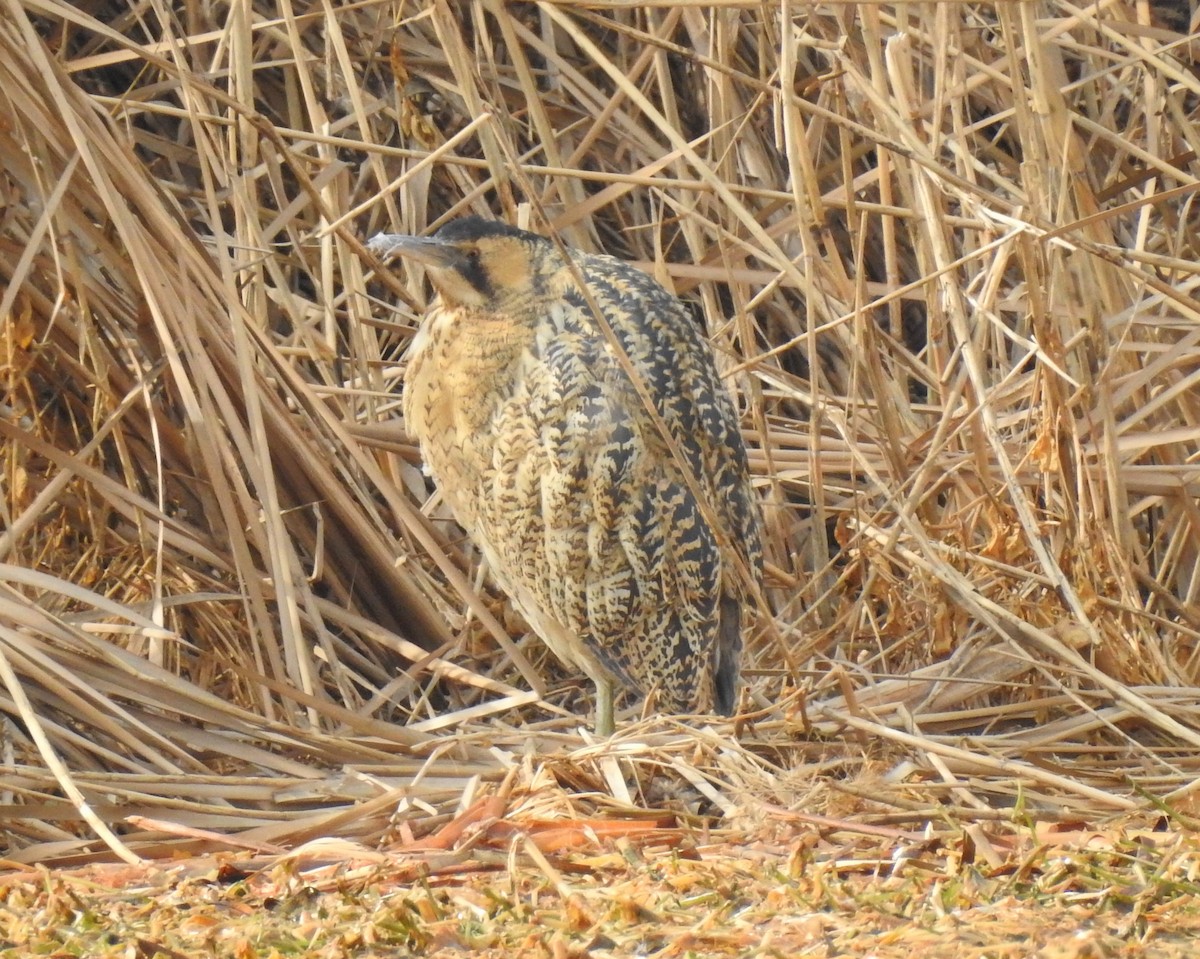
{"x": 590, "y": 520}
{"x": 629, "y": 564}
{"x": 674, "y": 362}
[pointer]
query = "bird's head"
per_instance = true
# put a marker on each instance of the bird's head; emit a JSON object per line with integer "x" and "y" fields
{"x": 477, "y": 263}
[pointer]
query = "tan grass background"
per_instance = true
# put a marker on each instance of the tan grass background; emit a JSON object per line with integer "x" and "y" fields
{"x": 945, "y": 252}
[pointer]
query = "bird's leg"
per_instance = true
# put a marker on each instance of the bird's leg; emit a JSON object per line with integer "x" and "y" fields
{"x": 604, "y": 708}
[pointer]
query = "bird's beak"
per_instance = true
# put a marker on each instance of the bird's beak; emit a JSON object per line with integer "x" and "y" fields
{"x": 423, "y": 249}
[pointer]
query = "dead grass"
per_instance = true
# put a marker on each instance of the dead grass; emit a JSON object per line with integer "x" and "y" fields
{"x": 946, "y": 254}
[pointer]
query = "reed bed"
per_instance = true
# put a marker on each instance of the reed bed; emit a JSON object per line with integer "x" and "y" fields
{"x": 946, "y": 254}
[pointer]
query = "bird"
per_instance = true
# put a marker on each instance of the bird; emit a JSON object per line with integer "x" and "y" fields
{"x": 629, "y": 540}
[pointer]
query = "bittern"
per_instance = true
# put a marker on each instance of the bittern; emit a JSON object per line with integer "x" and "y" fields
{"x": 616, "y": 532}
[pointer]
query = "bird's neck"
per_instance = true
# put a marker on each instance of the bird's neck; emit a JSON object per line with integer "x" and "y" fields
{"x": 482, "y": 347}
{"x": 461, "y": 368}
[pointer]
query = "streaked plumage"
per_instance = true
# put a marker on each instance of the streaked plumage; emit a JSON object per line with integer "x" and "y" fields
{"x": 545, "y": 452}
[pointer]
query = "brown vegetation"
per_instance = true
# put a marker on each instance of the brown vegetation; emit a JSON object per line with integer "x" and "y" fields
{"x": 946, "y": 253}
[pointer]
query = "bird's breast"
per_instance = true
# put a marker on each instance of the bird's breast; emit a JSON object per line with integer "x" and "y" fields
{"x": 462, "y": 371}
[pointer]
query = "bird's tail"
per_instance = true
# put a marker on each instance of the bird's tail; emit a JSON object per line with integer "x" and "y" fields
{"x": 727, "y": 657}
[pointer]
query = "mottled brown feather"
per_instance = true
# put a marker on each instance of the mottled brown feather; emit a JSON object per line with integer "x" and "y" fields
{"x": 543, "y": 449}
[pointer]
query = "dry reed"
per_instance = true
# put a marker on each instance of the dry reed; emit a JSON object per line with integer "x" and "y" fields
{"x": 946, "y": 253}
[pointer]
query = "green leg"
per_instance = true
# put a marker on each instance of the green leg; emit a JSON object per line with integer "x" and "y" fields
{"x": 604, "y": 708}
